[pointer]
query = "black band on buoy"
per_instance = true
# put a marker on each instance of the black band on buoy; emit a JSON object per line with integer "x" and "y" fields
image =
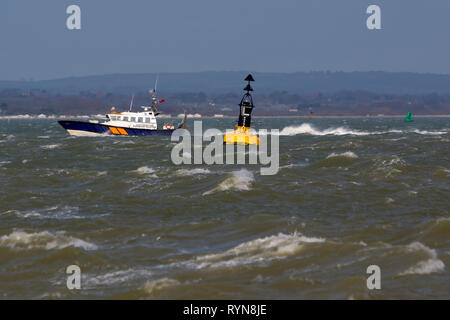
{"x": 246, "y": 105}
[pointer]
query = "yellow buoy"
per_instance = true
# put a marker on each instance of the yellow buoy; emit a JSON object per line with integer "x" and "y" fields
{"x": 242, "y": 135}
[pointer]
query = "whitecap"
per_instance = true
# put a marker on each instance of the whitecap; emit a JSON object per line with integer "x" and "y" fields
{"x": 347, "y": 154}
{"x": 431, "y": 265}
{"x": 51, "y": 146}
{"x": 21, "y": 240}
{"x": 144, "y": 170}
{"x": 425, "y": 132}
{"x": 307, "y": 128}
{"x": 389, "y": 166}
{"x": 116, "y": 277}
{"x": 255, "y": 251}
{"x": 192, "y": 172}
{"x": 237, "y": 180}
{"x": 159, "y": 284}
{"x": 425, "y": 267}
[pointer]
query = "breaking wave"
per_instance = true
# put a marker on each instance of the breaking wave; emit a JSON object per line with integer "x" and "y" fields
{"x": 389, "y": 167}
{"x": 431, "y": 265}
{"x": 55, "y": 212}
{"x": 51, "y": 146}
{"x": 254, "y": 251}
{"x": 144, "y": 170}
{"x": 156, "y": 285}
{"x": 306, "y": 128}
{"x": 432, "y": 133}
{"x": 347, "y": 154}
{"x": 116, "y": 277}
{"x": 192, "y": 172}
{"x": 21, "y": 240}
{"x": 237, "y": 180}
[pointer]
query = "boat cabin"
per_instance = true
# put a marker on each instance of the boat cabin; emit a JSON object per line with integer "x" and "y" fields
{"x": 139, "y": 120}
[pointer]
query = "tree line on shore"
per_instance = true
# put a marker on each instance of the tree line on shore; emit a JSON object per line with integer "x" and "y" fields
{"x": 276, "y": 103}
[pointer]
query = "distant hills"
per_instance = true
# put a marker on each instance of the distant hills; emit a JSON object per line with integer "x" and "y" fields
{"x": 218, "y": 93}
{"x": 302, "y": 83}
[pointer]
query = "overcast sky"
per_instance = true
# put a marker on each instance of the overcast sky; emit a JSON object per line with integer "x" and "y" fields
{"x": 227, "y": 35}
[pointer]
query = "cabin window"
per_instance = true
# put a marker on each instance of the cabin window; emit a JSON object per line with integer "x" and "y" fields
{"x": 133, "y": 119}
{"x": 140, "y": 119}
{"x": 147, "y": 120}
{"x": 113, "y": 118}
{"x": 125, "y": 118}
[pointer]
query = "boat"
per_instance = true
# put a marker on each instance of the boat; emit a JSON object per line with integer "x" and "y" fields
{"x": 242, "y": 135}
{"x": 408, "y": 117}
{"x": 128, "y": 123}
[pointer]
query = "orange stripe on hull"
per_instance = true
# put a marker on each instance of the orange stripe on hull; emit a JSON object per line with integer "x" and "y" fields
{"x": 114, "y": 130}
{"x": 122, "y": 131}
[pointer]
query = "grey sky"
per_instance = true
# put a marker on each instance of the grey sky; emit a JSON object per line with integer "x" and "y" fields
{"x": 228, "y": 35}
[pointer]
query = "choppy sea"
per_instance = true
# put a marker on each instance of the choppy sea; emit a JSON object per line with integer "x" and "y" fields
{"x": 349, "y": 193}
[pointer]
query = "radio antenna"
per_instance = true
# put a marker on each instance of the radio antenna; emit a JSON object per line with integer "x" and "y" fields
{"x": 131, "y": 102}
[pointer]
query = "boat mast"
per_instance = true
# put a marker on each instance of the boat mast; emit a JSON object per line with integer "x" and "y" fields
{"x": 154, "y": 98}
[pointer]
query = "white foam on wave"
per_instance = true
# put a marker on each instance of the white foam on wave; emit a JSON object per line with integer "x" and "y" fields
{"x": 4, "y": 162}
{"x": 425, "y": 267}
{"x": 51, "y": 146}
{"x": 192, "y": 172}
{"x": 294, "y": 165}
{"x": 116, "y": 277}
{"x": 144, "y": 170}
{"x": 347, "y": 154}
{"x": 21, "y": 240}
{"x": 153, "y": 286}
{"x": 432, "y": 133}
{"x": 306, "y": 128}
{"x": 390, "y": 166}
{"x": 54, "y": 212}
{"x": 431, "y": 265}
{"x": 237, "y": 180}
{"x": 255, "y": 251}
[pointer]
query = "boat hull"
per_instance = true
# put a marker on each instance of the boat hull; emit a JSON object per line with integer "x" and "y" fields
{"x": 82, "y": 128}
